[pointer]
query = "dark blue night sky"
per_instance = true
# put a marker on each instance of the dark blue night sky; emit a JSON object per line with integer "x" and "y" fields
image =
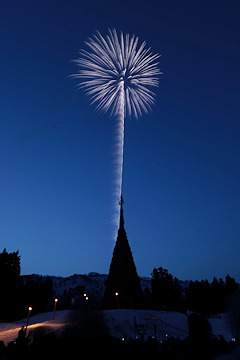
{"x": 181, "y": 161}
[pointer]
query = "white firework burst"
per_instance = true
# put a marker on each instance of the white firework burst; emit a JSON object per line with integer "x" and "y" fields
{"x": 116, "y": 71}
{"x": 118, "y": 75}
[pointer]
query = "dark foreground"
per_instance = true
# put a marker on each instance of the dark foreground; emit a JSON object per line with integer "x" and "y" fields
{"x": 86, "y": 338}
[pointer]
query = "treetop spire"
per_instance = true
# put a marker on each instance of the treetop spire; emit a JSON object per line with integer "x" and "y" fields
{"x": 121, "y": 202}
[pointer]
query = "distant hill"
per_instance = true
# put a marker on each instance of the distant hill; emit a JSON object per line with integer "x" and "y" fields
{"x": 92, "y": 284}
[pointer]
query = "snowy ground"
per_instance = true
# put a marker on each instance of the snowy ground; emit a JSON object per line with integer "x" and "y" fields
{"x": 146, "y": 322}
{"x": 44, "y": 322}
{"x": 134, "y": 323}
{"x": 118, "y": 323}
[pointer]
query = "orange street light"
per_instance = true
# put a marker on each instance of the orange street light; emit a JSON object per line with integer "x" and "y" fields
{"x": 29, "y": 312}
{"x": 55, "y": 304}
{"x": 86, "y": 297}
{"x": 116, "y": 294}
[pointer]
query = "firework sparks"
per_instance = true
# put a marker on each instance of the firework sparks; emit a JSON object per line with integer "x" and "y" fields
{"x": 118, "y": 75}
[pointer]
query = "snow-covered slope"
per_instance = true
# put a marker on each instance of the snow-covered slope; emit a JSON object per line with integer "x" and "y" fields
{"x": 118, "y": 323}
{"x": 136, "y": 323}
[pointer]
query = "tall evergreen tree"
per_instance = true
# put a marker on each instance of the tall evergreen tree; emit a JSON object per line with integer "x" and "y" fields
{"x": 11, "y": 286}
{"x": 166, "y": 291}
{"x": 123, "y": 289}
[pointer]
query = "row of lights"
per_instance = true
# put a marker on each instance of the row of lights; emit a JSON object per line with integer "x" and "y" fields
{"x": 55, "y": 305}
{"x": 30, "y": 309}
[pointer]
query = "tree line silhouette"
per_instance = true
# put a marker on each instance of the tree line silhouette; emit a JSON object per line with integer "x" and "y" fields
{"x": 198, "y": 296}
{"x": 166, "y": 292}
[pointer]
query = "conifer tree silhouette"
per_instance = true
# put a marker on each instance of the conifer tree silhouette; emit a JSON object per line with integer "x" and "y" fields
{"x": 123, "y": 289}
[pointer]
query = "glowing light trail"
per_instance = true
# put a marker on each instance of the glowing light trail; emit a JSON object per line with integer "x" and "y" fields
{"x": 117, "y": 74}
